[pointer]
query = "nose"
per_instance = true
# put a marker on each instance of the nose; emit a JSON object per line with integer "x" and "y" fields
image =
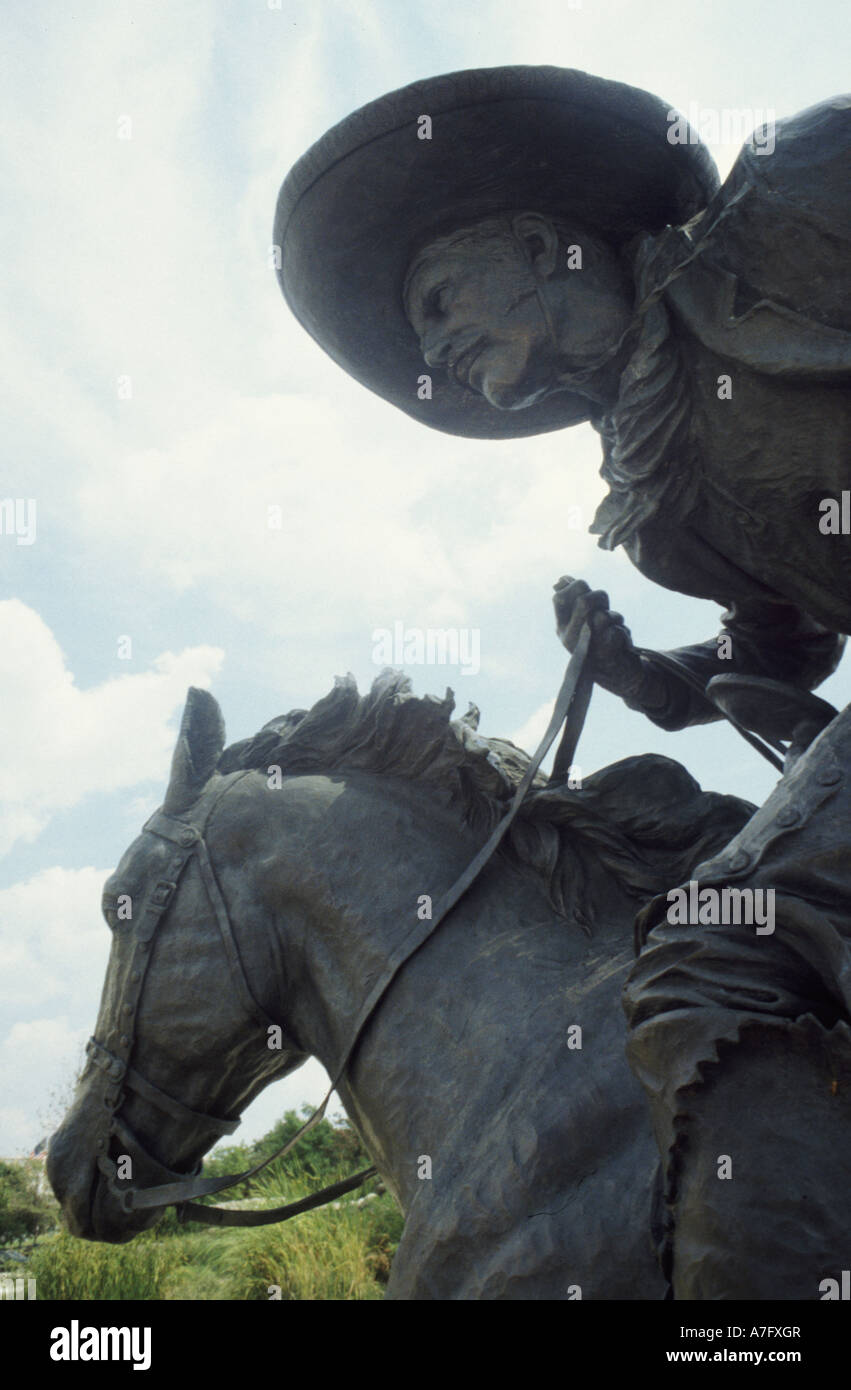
{"x": 436, "y": 346}
{"x": 90, "y": 1209}
{"x": 72, "y": 1179}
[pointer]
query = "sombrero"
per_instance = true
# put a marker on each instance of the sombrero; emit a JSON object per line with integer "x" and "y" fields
{"x": 369, "y": 193}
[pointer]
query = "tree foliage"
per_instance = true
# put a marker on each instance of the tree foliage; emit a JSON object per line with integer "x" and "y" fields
{"x": 25, "y": 1210}
{"x": 322, "y": 1154}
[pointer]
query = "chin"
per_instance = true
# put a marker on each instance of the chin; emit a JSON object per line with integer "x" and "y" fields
{"x": 510, "y": 396}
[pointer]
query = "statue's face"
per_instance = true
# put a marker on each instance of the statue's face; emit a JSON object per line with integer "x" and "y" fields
{"x": 478, "y": 316}
{"x": 498, "y": 307}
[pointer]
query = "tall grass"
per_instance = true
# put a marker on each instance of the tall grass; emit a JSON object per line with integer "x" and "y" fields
{"x": 67, "y": 1268}
{"x": 327, "y": 1254}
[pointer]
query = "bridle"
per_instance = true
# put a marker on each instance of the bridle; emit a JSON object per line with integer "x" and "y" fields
{"x": 188, "y": 843}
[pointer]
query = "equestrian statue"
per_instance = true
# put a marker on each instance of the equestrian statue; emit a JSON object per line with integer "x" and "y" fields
{"x": 500, "y": 253}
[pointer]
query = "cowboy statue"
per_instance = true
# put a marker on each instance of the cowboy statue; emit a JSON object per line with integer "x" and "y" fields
{"x": 509, "y": 251}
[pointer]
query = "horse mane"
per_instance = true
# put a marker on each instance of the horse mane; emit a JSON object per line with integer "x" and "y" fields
{"x": 645, "y": 819}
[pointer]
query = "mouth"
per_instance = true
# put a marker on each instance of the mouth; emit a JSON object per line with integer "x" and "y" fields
{"x": 461, "y": 366}
{"x": 91, "y": 1210}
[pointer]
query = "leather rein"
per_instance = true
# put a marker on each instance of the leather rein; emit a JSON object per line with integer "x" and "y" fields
{"x": 187, "y": 841}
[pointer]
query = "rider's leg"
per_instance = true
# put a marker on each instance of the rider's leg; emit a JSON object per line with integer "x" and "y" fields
{"x": 743, "y": 1046}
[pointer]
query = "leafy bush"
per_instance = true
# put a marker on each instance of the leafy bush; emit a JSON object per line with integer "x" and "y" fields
{"x": 328, "y": 1151}
{"x": 25, "y": 1210}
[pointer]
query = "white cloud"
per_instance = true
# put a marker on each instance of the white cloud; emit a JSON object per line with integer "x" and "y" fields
{"x": 530, "y": 733}
{"x": 54, "y": 947}
{"x": 66, "y": 743}
{"x": 53, "y": 941}
{"x": 39, "y": 1060}
{"x": 366, "y": 520}
{"x": 163, "y": 276}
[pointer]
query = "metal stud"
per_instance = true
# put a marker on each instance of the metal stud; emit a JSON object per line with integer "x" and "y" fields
{"x": 829, "y": 776}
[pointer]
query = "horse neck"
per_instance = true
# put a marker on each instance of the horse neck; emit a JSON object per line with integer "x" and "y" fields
{"x": 371, "y": 849}
{"x": 355, "y": 858}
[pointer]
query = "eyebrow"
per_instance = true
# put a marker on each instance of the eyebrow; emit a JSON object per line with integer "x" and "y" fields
{"x": 419, "y": 273}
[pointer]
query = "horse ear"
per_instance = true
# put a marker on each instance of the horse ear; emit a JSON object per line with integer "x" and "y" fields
{"x": 198, "y": 749}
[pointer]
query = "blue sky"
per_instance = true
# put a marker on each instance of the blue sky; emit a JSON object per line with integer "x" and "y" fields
{"x": 158, "y": 398}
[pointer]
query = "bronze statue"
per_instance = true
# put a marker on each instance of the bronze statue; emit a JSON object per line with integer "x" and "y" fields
{"x": 509, "y": 251}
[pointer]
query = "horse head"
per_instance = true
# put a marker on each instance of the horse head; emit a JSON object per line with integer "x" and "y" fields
{"x": 182, "y": 1038}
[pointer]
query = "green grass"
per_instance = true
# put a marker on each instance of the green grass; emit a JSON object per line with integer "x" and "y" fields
{"x": 67, "y": 1268}
{"x": 325, "y": 1254}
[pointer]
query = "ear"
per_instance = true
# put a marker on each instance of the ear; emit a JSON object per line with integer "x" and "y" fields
{"x": 198, "y": 749}
{"x": 540, "y": 239}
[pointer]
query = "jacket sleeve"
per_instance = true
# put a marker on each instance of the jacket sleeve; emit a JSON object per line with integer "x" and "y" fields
{"x": 757, "y": 638}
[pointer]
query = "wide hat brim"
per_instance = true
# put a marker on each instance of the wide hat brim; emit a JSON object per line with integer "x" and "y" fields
{"x": 360, "y": 202}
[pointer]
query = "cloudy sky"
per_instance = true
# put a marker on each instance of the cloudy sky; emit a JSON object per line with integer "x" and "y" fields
{"x": 159, "y": 399}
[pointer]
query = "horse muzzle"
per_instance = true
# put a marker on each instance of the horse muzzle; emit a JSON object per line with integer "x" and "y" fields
{"x": 91, "y": 1205}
